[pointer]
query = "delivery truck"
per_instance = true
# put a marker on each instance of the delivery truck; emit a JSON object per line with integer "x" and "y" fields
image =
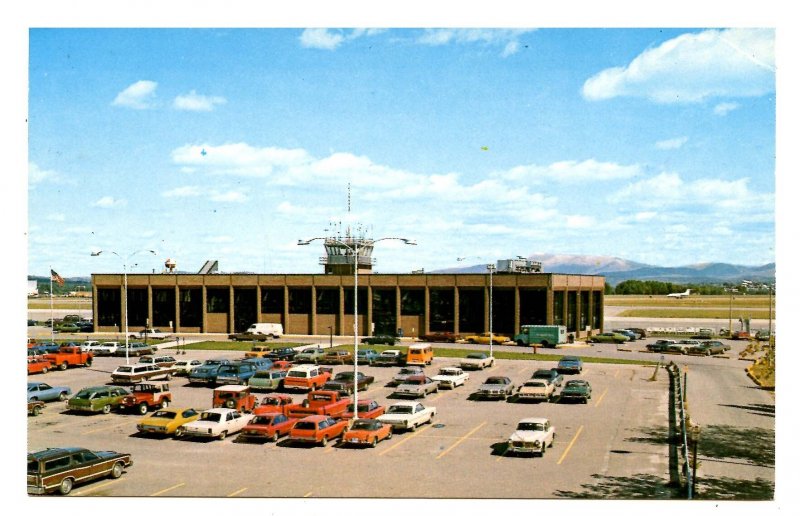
{"x": 546, "y": 335}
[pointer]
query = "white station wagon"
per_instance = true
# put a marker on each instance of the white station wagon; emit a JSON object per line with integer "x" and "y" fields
{"x": 533, "y": 435}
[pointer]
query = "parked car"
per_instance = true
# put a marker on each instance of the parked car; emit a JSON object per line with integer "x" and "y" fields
{"x": 640, "y": 332}
{"x": 274, "y": 403}
{"x": 35, "y": 407}
{"x": 725, "y": 345}
{"x": 367, "y": 409}
{"x": 321, "y": 402}
{"x": 217, "y": 423}
{"x": 576, "y": 390}
{"x": 391, "y": 340}
{"x": 318, "y": 429}
{"x": 551, "y": 375}
{"x": 476, "y": 361}
{"x": 337, "y": 357}
{"x": 147, "y": 396}
{"x": 151, "y": 333}
{"x": 367, "y": 432}
{"x": 346, "y": 381}
{"x": 284, "y": 353}
{"x": 106, "y": 349}
{"x": 441, "y": 336}
{"x": 495, "y": 387}
{"x": 710, "y": 347}
{"x": 762, "y": 335}
{"x": 628, "y": 334}
{"x": 40, "y": 391}
{"x": 184, "y": 367}
{"x": 405, "y": 372}
{"x": 570, "y": 364}
{"x": 167, "y": 421}
{"x": 309, "y": 356}
{"x": 306, "y": 377}
{"x": 416, "y": 386}
{"x": 484, "y": 338}
{"x": 236, "y": 373}
{"x": 87, "y": 345}
{"x": 134, "y": 349}
{"x": 614, "y": 338}
{"x": 451, "y": 377}
{"x": 703, "y": 334}
{"x": 366, "y": 356}
{"x": 682, "y": 346}
{"x": 267, "y": 380}
{"x": 660, "y": 345}
{"x": 206, "y": 373}
{"x": 39, "y": 364}
{"x": 407, "y": 415}
{"x": 135, "y": 373}
{"x": 236, "y": 397}
{"x": 740, "y": 335}
{"x": 163, "y": 361}
{"x": 533, "y": 435}
{"x": 97, "y": 399}
{"x": 390, "y": 357}
{"x": 59, "y": 469}
{"x": 267, "y": 427}
{"x": 536, "y": 390}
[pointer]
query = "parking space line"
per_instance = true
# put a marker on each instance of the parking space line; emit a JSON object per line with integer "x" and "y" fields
{"x": 106, "y": 428}
{"x": 176, "y": 486}
{"x": 96, "y": 487}
{"x": 237, "y": 492}
{"x": 460, "y": 440}
{"x": 601, "y": 397}
{"x": 415, "y": 434}
{"x": 569, "y": 447}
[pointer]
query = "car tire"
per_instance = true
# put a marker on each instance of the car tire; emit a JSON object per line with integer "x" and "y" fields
{"x": 179, "y": 432}
{"x": 88, "y": 362}
{"x": 62, "y": 366}
{"x": 374, "y": 442}
{"x": 274, "y": 437}
{"x": 230, "y": 404}
{"x": 543, "y": 450}
{"x": 389, "y": 435}
{"x": 65, "y": 486}
{"x": 324, "y": 440}
{"x": 106, "y": 409}
{"x": 164, "y": 403}
{"x": 116, "y": 471}
{"x": 37, "y": 409}
{"x": 143, "y": 408}
{"x": 44, "y": 370}
{"x": 222, "y": 435}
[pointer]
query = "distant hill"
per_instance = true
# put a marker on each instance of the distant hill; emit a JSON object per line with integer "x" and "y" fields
{"x": 617, "y": 269}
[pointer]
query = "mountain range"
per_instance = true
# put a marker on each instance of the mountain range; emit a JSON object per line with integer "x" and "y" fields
{"x": 617, "y": 269}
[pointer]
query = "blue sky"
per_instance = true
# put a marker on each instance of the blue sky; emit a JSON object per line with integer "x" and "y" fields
{"x": 653, "y": 145}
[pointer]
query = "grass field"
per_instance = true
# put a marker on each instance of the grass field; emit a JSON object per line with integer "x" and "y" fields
{"x": 696, "y": 313}
{"x": 738, "y": 301}
{"x": 61, "y": 303}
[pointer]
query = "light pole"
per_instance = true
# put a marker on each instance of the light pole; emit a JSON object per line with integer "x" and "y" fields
{"x": 125, "y": 280}
{"x": 353, "y": 247}
{"x": 491, "y": 269}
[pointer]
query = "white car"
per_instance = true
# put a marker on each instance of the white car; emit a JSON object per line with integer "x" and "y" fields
{"x": 406, "y": 372}
{"x": 217, "y": 422}
{"x": 416, "y": 386}
{"x": 407, "y": 415}
{"x": 87, "y": 345}
{"x": 184, "y": 367}
{"x": 151, "y": 333}
{"x": 105, "y": 349}
{"x": 477, "y": 361}
{"x": 536, "y": 390}
{"x": 451, "y": 377}
{"x": 533, "y": 435}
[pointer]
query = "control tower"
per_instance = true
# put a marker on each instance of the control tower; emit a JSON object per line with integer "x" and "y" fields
{"x": 344, "y": 252}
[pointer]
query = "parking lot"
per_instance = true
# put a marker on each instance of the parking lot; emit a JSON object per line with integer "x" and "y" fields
{"x": 460, "y": 455}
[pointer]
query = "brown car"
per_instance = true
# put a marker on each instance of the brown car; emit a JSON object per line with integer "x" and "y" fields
{"x": 59, "y": 469}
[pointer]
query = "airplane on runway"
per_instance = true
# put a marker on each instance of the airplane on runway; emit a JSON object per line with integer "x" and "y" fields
{"x": 680, "y": 295}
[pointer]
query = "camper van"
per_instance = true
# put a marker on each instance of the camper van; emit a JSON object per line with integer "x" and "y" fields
{"x": 274, "y": 330}
{"x": 419, "y": 354}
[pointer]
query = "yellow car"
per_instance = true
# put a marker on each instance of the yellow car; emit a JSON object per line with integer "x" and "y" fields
{"x": 167, "y": 421}
{"x": 483, "y": 338}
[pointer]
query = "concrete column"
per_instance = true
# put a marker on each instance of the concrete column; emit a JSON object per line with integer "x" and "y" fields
{"x": 258, "y": 303}
{"x": 313, "y": 315}
{"x": 456, "y": 314}
{"x": 368, "y": 330}
{"x": 578, "y": 307}
{"x": 149, "y": 305}
{"x": 94, "y": 306}
{"x": 486, "y": 303}
{"x": 285, "y": 307}
{"x": 565, "y": 310}
{"x": 517, "y": 316}
{"x": 549, "y": 317}
{"x": 204, "y": 329}
{"x": 339, "y": 330}
{"x": 426, "y": 316}
{"x": 177, "y": 322}
{"x": 398, "y": 302}
{"x": 231, "y": 309}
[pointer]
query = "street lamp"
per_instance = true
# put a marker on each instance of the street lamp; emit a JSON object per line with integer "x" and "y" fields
{"x": 125, "y": 276}
{"x": 491, "y": 268}
{"x": 353, "y": 248}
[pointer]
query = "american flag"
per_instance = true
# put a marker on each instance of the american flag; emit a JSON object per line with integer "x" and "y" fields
{"x": 55, "y": 277}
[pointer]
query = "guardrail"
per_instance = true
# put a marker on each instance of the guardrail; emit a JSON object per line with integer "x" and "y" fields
{"x": 679, "y": 465}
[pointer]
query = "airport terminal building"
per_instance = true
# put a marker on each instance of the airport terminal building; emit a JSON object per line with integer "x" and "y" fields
{"x": 321, "y": 304}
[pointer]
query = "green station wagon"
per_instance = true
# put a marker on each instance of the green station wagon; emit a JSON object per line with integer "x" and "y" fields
{"x": 267, "y": 380}
{"x": 97, "y": 399}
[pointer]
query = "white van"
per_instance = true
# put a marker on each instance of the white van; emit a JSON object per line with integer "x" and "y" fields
{"x": 274, "y": 330}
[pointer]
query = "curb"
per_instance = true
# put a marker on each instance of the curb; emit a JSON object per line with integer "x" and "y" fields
{"x": 749, "y": 372}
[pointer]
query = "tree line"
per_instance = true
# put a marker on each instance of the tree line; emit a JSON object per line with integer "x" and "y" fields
{"x": 662, "y": 288}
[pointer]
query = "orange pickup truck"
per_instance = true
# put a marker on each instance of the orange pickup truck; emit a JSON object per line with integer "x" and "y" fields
{"x": 69, "y": 356}
{"x": 325, "y": 403}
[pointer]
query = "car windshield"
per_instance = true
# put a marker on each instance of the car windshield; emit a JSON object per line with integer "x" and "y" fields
{"x": 535, "y": 384}
{"x": 84, "y": 395}
{"x": 262, "y": 420}
{"x": 402, "y": 409}
{"x": 262, "y": 374}
{"x": 448, "y": 372}
{"x": 530, "y": 426}
{"x": 271, "y": 401}
{"x": 495, "y": 381}
{"x": 305, "y": 425}
{"x": 364, "y": 425}
{"x": 124, "y": 369}
{"x": 211, "y": 416}
{"x": 164, "y": 414}
{"x": 297, "y": 374}
{"x": 476, "y": 355}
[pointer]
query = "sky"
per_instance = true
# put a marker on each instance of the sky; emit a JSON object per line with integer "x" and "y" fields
{"x": 653, "y": 145}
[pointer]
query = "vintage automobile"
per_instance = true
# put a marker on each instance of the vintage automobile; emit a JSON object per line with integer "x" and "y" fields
{"x": 345, "y": 382}
{"x": 476, "y": 361}
{"x": 366, "y": 356}
{"x": 135, "y": 373}
{"x": 283, "y": 353}
{"x": 367, "y": 409}
{"x": 317, "y": 429}
{"x": 97, "y": 399}
{"x": 762, "y": 335}
{"x": 151, "y": 333}
{"x": 236, "y": 397}
{"x": 407, "y": 415}
{"x": 59, "y": 469}
{"x": 67, "y": 356}
{"x": 38, "y": 364}
{"x": 484, "y": 338}
{"x": 404, "y": 373}
{"x": 416, "y": 386}
{"x": 337, "y": 357}
{"x": 249, "y": 336}
{"x": 709, "y": 347}
{"x": 551, "y": 375}
{"x": 533, "y": 435}
{"x": 570, "y": 364}
{"x": 309, "y": 356}
{"x": 258, "y": 350}
{"x": 146, "y": 396}
{"x": 217, "y": 423}
{"x": 536, "y": 390}
{"x": 260, "y": 363}
{"x": 321, "y": 402}
{"x": 160, "y": 361}
{"x": 184, "y": 367}
{"x": 703, "y": 334}
{"x": 640, "y": 332}
{"x": 608, "y": 336}
{"x": 269, "y": 426}
{"x": 659, "y": 346}
{"x": 274, "y": 403}
{"x": 267, "y": 380}
{"x": 390, "y": 357}
{"x": 740, "y": 335}
{"x": 725, "y": 345}
{"x": 167, "y": 421}
{"x": 106, "y": 349}
{"x": 305, "y": 377}
{"x": 40, "y": 391}
{"x": 441, "y": 336}
{"x": 134, "y": 349}
{"x": 630, "y": 336}
{"x": 367, "y": 432}
{"x": 281, "y": 365}
{"x": 682, "y": 346}
{"x": 235, "y": 373}
{"x": 451, "y": 377}
{"x": 495, "y": 387}
{"x": 206, "y": 373}
{"x": 35, "y": 407}
{"x": 576, "y": 390}
{"x": 391, "y": 340}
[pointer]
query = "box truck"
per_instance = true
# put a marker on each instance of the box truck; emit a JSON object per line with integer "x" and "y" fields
{"x": 546, "y": 335}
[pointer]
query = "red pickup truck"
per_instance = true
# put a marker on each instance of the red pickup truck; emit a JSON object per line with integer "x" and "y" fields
{"x": 324, "y": 403}
{"x": 69, "y": 356}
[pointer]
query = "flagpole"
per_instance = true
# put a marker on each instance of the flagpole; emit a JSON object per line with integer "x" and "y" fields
{"x": 52, "y": 319}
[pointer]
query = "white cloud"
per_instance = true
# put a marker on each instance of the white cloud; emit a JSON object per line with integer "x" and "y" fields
{"x": 644, "y": 215}
{"x": 231, "y": 196}
{"x": 321, "y": 38}
{"x": 183, "y": 191}
{"x": 109, "y": 202}
{"x": 580, "y": 221}
{"x": 37, "y": 175}
{"x": 724, "y": 108}
{"x": 239, "y": 158}
{"x": 671, "y": 144}
{"x": 571, "y": 171}
{"x": 194, "y": 102}
{"x": 694, "y": 67}
{"x": 137, "y": 96}
{"x": 508, "y": 38}
{"x": 56, "y": 217}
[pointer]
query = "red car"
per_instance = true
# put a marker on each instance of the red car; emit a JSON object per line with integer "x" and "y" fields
{"x": 367, "y": 431}
{"x": 317, "y": 429}
{"x": 38, "y": 365}
{"x": 367, "y": 409}
{"x": 273, "y": 403}
{"x": 269, "y": 426}
{"x": 281, "y": 365}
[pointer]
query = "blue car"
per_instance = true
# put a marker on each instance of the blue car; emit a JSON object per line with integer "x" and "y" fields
{"x": 570, "y": 364}
{"x": 261, "y": 363}
{"x": 235, "y": 373}
{"x": 366, "y": 356}
{"x": 206, "y": 374}
{"x": 40, "y": 391}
